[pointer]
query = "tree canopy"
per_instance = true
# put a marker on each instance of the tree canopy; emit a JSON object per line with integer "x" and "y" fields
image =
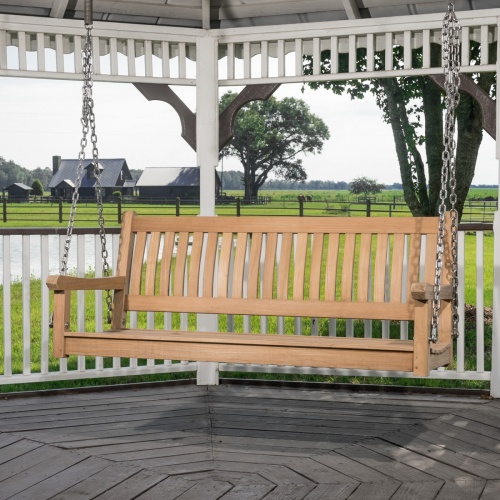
{"x": 413, "y": 106}
{"x": 366, "y": 186}
{"x": 37, "y": 187}
{"x": 270, "y": 135}
{"x": 11, "y": 172}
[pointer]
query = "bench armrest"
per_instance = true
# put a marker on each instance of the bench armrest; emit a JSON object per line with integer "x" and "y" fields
{"x": 425, "y": 291}
{"x": 61, "y": 283}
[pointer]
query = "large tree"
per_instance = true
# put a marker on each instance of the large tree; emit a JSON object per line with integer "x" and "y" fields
{"x": 270, "y": 135}
{"x": 413, "y": 106}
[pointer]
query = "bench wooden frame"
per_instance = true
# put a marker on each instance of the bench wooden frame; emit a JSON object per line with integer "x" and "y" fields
{"x": 318, "y": 267}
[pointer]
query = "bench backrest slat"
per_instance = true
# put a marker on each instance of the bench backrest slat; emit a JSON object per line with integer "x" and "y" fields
{"x": 364, "y": 261}
{"x": 211, "y": 263}
{"x": 316, "y": 265}
{"x": 397, "y": 267}
{"x": 331, "y": 266}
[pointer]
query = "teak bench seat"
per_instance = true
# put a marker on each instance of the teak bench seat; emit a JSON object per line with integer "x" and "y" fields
{"x": 315, "y": 267}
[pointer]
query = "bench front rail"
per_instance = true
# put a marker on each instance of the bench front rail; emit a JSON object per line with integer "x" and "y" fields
{"x": 314, "y": 267}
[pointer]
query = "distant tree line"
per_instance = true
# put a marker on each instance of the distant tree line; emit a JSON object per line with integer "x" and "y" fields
{"x": 233, "y": 180}
{"x": 11, "y": 172}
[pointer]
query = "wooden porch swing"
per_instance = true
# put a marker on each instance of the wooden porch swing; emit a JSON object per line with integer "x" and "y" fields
{"x": 321, "y": 268}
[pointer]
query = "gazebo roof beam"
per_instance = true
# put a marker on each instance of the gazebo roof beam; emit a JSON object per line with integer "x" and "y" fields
{"x": 59, "y": 8}
{"x": 205, "y": 14}
{"x": 351, "y": 9}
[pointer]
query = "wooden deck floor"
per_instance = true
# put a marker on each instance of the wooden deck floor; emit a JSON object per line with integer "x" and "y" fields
{"x": 245, "y": 442}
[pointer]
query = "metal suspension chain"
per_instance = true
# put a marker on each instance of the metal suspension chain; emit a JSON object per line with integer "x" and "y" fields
{"x": 451, "y": 63}
{"x": 88, "y": 126}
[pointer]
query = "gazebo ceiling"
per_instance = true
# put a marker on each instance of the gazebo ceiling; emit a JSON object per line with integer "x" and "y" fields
{"x": 234, "y": 13}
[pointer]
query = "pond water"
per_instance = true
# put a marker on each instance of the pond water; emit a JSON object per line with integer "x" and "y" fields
{"x": 15, "y": 256}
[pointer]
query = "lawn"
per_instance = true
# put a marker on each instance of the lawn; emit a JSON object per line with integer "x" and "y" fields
{"x": 283, "y": 202}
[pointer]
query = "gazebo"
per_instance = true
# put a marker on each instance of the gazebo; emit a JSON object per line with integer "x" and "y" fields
{"x": 260, "y": 45}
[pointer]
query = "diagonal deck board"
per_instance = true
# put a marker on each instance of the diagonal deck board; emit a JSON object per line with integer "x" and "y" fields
{"x": 244, "y": 442}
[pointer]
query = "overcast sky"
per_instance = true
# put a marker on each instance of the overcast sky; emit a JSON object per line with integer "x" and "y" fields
{"x": 40, "y": 119}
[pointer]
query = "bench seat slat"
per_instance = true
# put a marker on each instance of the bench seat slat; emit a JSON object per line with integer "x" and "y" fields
{"x": 272, "y": 307}
{"x": 265, "y": 349}
{"x": 251, "y": 339}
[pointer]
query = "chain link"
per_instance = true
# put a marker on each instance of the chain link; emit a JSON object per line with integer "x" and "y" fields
{"x": 88, "y": 126}
{"x": 451, "y": 63}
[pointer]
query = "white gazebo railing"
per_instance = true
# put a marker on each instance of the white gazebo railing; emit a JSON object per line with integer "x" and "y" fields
{"x": 28, "y": 256}
{"x": 50, "y": 48}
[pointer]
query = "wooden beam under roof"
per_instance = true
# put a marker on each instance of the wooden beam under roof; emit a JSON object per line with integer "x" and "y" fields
{"x": 59, "y": 8}
{"x": 351, "y": 9}
{"x": 205, "y": 14}
{"x": 235, "y": 9}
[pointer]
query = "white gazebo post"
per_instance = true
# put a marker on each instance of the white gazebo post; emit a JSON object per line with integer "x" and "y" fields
{"x": 495, "y": 354}
{"x": 207, "y": 154}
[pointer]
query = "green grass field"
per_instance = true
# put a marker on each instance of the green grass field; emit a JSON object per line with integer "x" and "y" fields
{"x": 324, "y": 203}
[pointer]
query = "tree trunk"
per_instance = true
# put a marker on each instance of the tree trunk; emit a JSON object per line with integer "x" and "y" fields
{"x": 396, "y": 111}
{"x": 433, "y": 113}
{"x": 469, "y": 137}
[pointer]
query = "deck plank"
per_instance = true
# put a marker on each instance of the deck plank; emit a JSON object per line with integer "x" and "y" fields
{"x": 248, "y": 492}
{"x": 8, "y": 439}
{"x": 38, "y": 473}
{"x": 318, "y": 472}
{"x": 337, "y": 491}
{"x": 458, "y": 445}
{"x": 289, "y": 492}
{"x": 449, "y": 456}
{"x": 409, "y": 457}
{"x": 26, "y": 460}
{"x": 461, "y": 489}
{"x": 491, "y": 491}
{"x": 54, "y": 485}
{"x": 125, "y": 490}
{"x": 208, "y": 490}
{"x": 447, "y": 429}
{"x": 16, "y": 449}
{"x": 418, "y": 491}
{"x": 249, "y": 443}
{"x": 472, "y": 469}
{"x": 169, "y": 489}
{"x": 385, "y": 465}
{"x": 375, "y": 491}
